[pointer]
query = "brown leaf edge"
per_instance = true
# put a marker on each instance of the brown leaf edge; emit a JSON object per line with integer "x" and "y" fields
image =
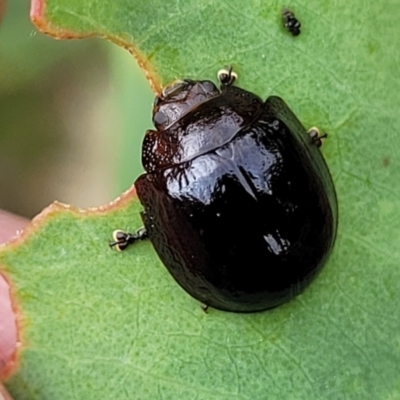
{"x": 50, "y": 212}
{"x": 2, "y": 8}
{"x": 38, "y": 17}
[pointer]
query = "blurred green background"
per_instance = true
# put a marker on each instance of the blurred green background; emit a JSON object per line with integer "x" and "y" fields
{"x": 72, "y": 117}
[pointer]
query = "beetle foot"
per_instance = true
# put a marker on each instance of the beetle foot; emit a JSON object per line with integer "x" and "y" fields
{"x": 316, "y": 136}
{"x": 226, "y": 76}
{"x": 124, "y": 239}
{"x": 204, "y": 307}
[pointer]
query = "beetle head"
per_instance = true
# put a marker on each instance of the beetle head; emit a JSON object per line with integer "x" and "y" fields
{"x": 179, "y": 98}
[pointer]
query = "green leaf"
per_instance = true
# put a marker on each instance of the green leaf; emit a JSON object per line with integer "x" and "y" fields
{"x": 115, "y": 325}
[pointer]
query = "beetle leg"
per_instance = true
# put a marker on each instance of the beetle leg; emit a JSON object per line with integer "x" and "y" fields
{"x": 226, "y": 76}
{"x": 204, "y": 307}
{"x": 123, "y": 239}
{"x": 316, "y": 137}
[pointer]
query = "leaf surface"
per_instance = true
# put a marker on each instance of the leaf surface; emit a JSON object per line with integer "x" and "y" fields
{"x": 97, "y": 322}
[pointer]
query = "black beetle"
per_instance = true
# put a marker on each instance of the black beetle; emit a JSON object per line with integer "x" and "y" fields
{"x": 238, "y": 200}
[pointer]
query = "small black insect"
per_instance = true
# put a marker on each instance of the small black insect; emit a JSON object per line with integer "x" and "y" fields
{"x": 238, "y": 200}
{"x": 290, "y": 22}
